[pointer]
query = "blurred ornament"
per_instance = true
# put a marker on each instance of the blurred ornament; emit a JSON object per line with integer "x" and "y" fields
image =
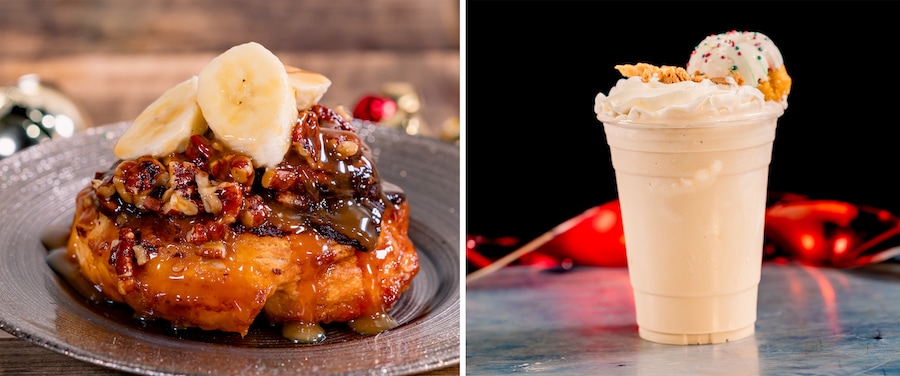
{"x": 408, "y": 103}
{"x": 481, "y": 251}
{"x": 450, "y": 130}
{"x": 830, "y": 233}
{"x": 33, "y": 112}
{"x": 592, "y": 238}
{"x": 404, "y": 94}
{"x": 398, "y": 105}
{"x": 375, "y": 108}
{"x": 595, "y": 239}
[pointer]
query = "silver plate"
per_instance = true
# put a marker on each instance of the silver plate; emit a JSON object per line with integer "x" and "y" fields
{"x": 39, "y": 186}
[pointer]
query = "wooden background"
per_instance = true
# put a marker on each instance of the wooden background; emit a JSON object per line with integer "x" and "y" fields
{"x": 114, "y": 57}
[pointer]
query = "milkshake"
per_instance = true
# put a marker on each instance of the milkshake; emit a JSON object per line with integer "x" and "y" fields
{"x": 691, "y": 155}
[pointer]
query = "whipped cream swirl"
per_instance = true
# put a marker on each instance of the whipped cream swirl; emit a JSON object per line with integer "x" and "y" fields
{"x": 685, "y": 103}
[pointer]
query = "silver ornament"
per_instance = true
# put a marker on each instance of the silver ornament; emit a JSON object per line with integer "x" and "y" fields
{"x": 32, "y": 112}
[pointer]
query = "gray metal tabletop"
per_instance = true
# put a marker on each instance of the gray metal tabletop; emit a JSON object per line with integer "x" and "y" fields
{"x": 815, "y": 321}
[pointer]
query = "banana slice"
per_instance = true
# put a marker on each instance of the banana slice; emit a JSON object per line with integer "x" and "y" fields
{"x": 309, "y": 86}
{"x": 165, "y": 126}
{"x": 247, "y": 101}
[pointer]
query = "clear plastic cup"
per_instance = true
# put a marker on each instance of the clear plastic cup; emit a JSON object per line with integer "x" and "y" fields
{"x": 693, "y": 202}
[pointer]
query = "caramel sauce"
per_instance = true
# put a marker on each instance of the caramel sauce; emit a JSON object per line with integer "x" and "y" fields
{"x": 374, "y": 324}
{"x": 67, "y": 267}
{"x": 350, "y": 202}
{"x": 300, "y": 332}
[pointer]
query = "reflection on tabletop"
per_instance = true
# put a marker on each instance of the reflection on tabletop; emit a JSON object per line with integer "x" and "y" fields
{"x": 811, "y": 320}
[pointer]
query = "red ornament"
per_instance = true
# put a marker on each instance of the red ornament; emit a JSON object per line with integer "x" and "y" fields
{"x": 375, "y": 108}
{"x": 830, "y": 233}
{"x": 596, "y": 238}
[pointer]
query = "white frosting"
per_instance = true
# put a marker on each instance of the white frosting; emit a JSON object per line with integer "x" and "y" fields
{"x": 684, "y": 103}
{"x": 751, "y": 54}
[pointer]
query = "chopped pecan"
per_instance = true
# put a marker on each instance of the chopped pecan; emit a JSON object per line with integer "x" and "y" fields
{"x": 134, "y": 180}
{"x": 122, "y": 256}
{"x": 347, "y": 148}
{"x": 206, "y": 231}
{"x": 213, "y": 250}
{"x": 242, "y": 170}
{"x": 180, "y": 203}
{"x": 182, "y": 197}
{"x": 255, "y": 211}
{"x": 306, "y": 129}
{"x": 198, "y": 150}
{"x": 211, "y": 202}
{"x": 328, "y": 115}
{"x": 232, "y": 198}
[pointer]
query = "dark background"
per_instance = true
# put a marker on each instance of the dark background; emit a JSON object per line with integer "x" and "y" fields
{"x": 536, "y": 154}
